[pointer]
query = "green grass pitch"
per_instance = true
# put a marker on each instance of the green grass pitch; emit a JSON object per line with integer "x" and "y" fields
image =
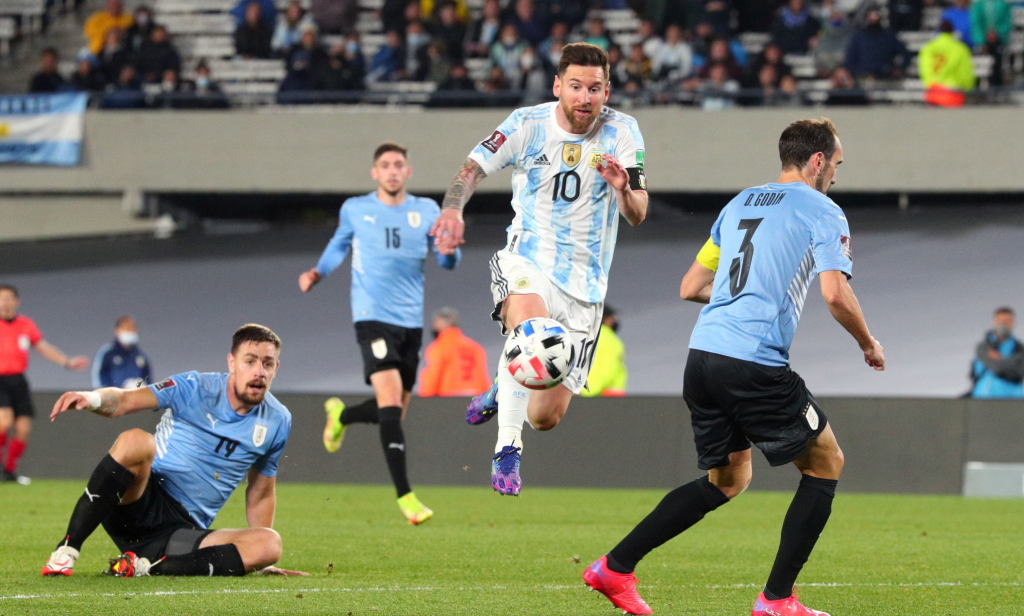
{"x": 483, "y": 554}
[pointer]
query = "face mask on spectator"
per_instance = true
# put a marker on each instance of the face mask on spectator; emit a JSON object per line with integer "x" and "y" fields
{"x": 415, "y": 40}
{"x": 508, "y": 41}
{"x": 202, "y": 82}
{"x": 128, "y": 338}
{"x": 167, "y": 86}
{"x": 142, "y": 19}
{"x": 526, "y": 61}
{"x": 352, "y": 47}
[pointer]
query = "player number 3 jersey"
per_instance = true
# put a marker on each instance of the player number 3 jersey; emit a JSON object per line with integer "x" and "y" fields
{"x": 566, "y": 216}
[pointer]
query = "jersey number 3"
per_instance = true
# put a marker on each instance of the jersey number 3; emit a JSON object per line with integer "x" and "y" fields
{"x": 740, "y": 267}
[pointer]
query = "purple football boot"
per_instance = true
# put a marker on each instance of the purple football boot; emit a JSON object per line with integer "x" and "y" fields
{"x": 484, "y": 406}
{"x": 505, "y": 471}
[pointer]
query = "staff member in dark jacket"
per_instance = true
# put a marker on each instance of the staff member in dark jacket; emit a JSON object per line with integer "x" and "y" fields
{"x": 998, "y": 368}
{"x": 122, "y": 363}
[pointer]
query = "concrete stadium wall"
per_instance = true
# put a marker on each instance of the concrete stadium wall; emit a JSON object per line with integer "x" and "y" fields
{"x": 892, "y": 445}
{"x": 327, "y": 149}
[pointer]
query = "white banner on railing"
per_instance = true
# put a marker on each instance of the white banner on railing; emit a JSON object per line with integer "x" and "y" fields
{"x": 41, "y": 129}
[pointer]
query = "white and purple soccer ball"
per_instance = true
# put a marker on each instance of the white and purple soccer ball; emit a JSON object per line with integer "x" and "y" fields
{"x": 539, "y": 353}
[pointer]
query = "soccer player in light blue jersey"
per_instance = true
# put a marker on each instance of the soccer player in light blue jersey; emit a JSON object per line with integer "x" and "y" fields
{"x": 738, "y": 384}
{"x": 387, "y": 233}
{"x": 577, "y": 166}
{"x": 157, "y": 495}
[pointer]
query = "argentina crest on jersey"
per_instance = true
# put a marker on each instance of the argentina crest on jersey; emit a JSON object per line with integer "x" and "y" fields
{"x": 415, "y": 220}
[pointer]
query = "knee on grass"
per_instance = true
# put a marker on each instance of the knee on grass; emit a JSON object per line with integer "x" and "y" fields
{"x": 261, "y": 549}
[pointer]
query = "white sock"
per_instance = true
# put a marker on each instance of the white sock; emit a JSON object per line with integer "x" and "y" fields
{"x": 513, "y": 400}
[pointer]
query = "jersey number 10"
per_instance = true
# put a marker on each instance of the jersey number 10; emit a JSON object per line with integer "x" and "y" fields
{"x": 562, "y": 186}
{"x": 740, "y": 267}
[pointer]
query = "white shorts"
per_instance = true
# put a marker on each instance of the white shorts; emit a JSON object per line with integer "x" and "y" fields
{"x": 514, "y": 275}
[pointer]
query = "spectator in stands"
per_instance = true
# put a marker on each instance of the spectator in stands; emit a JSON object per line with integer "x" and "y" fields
{"x": 252, "y": 38}
{"x": 204, "y": 85}
{"x": 343, "y": 71}
{"x": 290, "y": 27}
{"x": 456, "y": 365}
{"x": 137, "y": 36}
{"x": 675, "y": 57}
{"x": 458, "y": 80}
{"x": 875, "y": 52}
{"x": 569, "y": 12}
{"x": 484, "y": 31}
{"x": 559, "y": 34}
{"x": 335, "y": 16}
{"x": 158, "y": 57}
{"x": 703, "y": 34}
{"x": 638, "y": 68}
{"x": 998, "y": 367}
{"x": 417, "y": 64}
{"x": 97, "y": 26}
{"x": 389, "y": 59}
{"x": 439, "y": 65}
{"x": 960, "y": 16}
{"x": 497, "y": 81}
{"x": 718, "y": 92}
{"x": 721, "y": 54}
{"x": 597, "y": 34}
{"x": 430, "y": 10}
{"x": 617, "y": 68}
{"x": 87, "y": 76}
{"x": 830, "y": 52}
{"x": 393, "y": 14}
{"x": 554, "y": 56}
{"x": 649, "y": 39}
{"x": 449, "y": 30}
{"x": 906, "y": 15}
{"x": 776, "y": 92}
{"x": 529, "y": 23}
{"x": 946, "y": 70}
{"x": 203, "y": 93}
{"x": 268, "y": 12}
{"x": 718, "y": 13}
{"x": 114, "y": 57}
{"x": 795, "y": 28}
{"x": 991, "y": 22}
{"x": 48, "y": 79}
{"x": 844, "y": 91}
{"x": 608, "y": 375}
{"x": 303, "y": 61}
{"x": 770, "y": 55}
{"x": 125, "y": 92}
{"x": 506, "y": 52}
{"x": 121, "y": 363}
{"x": 755, "y": 15}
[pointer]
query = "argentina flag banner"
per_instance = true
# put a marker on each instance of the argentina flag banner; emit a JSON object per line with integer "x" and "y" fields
{"x": 41, "y": 129}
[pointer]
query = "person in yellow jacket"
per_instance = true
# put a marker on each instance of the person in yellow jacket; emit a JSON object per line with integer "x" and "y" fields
{"x": 608, "y": 374}
{"x": 946, "y": 69}
{"x": 97, "y": 26}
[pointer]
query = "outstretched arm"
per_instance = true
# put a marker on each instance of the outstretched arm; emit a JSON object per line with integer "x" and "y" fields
{"x": 845, "y": 308}
{"x": 52, "y": 353}
{"x": 333, "y": 256}
{"x": 108, "y": 402}
{"x": 449, "y": 226}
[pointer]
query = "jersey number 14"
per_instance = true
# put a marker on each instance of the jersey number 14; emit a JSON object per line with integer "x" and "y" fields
{"x": 740, "y": 267}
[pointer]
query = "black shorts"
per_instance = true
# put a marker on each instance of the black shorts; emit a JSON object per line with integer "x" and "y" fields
{"x": 154, "y": 526}
{"x": 14, "y": 394}
{"x": 734, "y": 403}
{"x": 387, "y": 347}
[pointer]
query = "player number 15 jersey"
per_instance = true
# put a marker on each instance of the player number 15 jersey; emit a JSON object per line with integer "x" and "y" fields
{"x": 566, "y": 216}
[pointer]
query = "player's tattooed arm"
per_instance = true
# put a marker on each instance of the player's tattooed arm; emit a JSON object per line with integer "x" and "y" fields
{"x": 449, "y": 226}
{"x": 463, "y": 185}
{"x": 108, "y": 402}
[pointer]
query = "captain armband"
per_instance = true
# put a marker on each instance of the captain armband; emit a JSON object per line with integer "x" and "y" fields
{"x": 637, "y": 178}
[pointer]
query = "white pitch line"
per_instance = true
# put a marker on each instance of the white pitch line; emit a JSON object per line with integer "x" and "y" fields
{"x": 266, "y": 591}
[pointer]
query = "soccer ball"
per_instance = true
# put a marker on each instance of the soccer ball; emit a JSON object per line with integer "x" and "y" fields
{"x": 539, "y": 353}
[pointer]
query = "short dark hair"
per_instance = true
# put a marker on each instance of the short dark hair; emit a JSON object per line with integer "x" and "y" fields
{"x": 805, "y": 138}
{"x": 946, "y": 26}
{"x": 608, "y": 312}
{"x": 124, "y": 318}
{"x": 999, "y": 310}
{"x": 50, "y": 51}
{"x": 251, "y": 332}
{"x": 389, "y": 146}
{"x": 11, "y": 288}
{"x": 583, "y": 54}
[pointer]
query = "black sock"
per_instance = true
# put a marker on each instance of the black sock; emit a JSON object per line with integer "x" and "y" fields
{"x": 680, "y": 509}
{"x": 364, "y": 412}
{"x": 393, "y": 441}
{"x": 214, "y": 560}
{"x": 107, "y": 485}
{"x": 805, "y": 520}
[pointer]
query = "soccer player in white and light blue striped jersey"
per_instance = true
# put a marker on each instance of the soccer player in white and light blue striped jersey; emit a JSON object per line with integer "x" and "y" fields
{"x": 577, "y": 166}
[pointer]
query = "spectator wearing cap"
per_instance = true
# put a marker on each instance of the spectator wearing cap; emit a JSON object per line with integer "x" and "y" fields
{"x": 290, "y": 27}
{"x": 158, "y": 57}
{"x": 101, "y": 22}
{"x": 608, "y": 374}
{"x": 456, "y": 365}
{"x": 795, "y": 28}
{"x": 48, "y": 80}
{"x": 874, "y": 51}
{"x": 121, "y": 363}
{"x": 998, "y": 367}
{"x": 253, "y": 36}
{"x": 483, "y": 33}
{"x": 946, "y": 69}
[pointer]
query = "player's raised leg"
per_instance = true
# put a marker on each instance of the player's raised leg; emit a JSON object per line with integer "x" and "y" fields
{"x": 119, "y": 479}
{"x": 820, "y": 466}
{"x": 340, "y": 416}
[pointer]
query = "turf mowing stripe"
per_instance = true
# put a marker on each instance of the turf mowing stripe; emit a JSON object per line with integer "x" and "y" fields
{"x": 264, "y": 591}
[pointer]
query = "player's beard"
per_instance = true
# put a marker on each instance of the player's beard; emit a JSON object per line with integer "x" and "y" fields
{"x": 580, "y": 125}
{"x": 244, "y": 397}
{"x": 819, "y": 180}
